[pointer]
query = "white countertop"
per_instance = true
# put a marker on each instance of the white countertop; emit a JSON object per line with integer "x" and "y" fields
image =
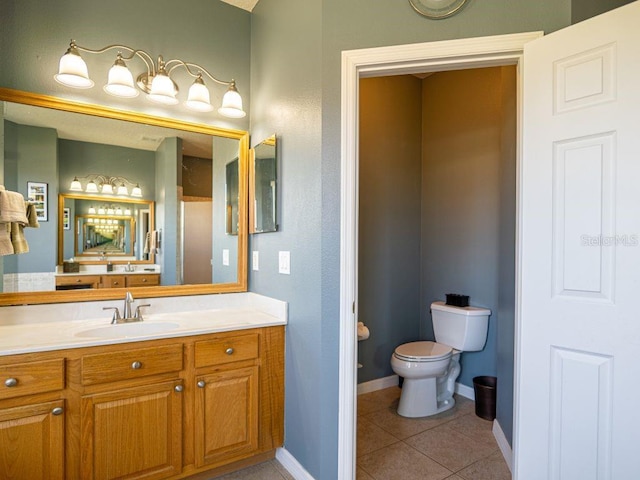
{"x": 37, "y": 328}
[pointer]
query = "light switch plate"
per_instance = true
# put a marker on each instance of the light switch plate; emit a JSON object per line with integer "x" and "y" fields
{"x": 284, "y": 263}
{"x": 255, "y": 263}
{"x": 225, "y": 257}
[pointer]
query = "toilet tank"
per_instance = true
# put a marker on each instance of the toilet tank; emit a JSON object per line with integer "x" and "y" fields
{"x": 463, "y": 328}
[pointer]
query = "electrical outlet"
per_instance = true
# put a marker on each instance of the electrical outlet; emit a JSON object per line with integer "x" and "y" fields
{"x": 225, "y": 257}
{"x": 255, "y": 263}
{"x": 284, "y": 263}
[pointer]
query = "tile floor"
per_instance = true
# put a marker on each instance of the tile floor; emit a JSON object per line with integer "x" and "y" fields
{"x": 454, "y": 445}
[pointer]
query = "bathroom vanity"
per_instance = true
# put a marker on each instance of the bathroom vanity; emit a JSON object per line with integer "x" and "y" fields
{"x": 174, "y": 396}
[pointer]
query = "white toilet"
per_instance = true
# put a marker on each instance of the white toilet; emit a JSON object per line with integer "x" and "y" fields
{"x": 430, "y": 369}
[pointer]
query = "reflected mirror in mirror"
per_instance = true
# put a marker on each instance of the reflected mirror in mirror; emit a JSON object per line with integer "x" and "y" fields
{"x": 263, "y": 187}
{"x": 115, "y": 230}
{"x": 164, "y": 157}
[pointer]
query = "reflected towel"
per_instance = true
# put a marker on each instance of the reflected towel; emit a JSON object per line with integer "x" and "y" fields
{"x": 12, "y": 207}
{"x": 18, "y": 241}
{"x": 32, "y": 216}
{"x": 155, "y": 242}
{"x": 6, "y": 247}
{"x": 147, "y": 243}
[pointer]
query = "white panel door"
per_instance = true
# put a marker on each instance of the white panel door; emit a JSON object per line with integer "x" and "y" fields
{"x": 578, "y": 366}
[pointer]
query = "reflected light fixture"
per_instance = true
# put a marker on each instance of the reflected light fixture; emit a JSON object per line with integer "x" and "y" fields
{"x": 108, "y": 185}
{"x": 156, "y": 81}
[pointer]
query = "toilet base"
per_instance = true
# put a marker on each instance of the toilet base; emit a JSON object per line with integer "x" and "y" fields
{"x": 418, "y": 398}
{"x": 422, "y": 397}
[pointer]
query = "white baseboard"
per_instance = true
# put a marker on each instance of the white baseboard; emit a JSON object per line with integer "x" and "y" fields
{"x": 378, "y": 384}
{"x": 503, "y": 444}
{"x": 465, "y": 391}
{"x": 292, "y": 465}
{"x": 392, "y": 381}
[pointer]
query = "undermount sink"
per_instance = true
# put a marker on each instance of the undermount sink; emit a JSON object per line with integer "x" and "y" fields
{"x": 128, "y": 330}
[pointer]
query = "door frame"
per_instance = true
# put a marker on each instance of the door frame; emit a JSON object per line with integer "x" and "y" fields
{"x": 439, "y": 56}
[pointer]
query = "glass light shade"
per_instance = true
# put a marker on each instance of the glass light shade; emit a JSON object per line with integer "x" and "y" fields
{"x": 92, "y": 210}
{"x": 127, "y": 212}
{"x": 118, "y": 211}
{"x": 89, "y": 220}
{"x": 75, "y": 186}
{"x": 103, "y": 221}
{"x": 232, "y": 104}
{"x": 110, "y": 211}
{"x": 199, "y": 99}
{"x": 163, "y": 90}
{"x": 120, "y": 83}
{"x": 91, "y": 187}
{"x": 136, "y": 191}
{"x": 107, "y": 188}
{"x": 122, "y": 189}
{"x": 101, "y": 211}
{"x": 72, "y": 71}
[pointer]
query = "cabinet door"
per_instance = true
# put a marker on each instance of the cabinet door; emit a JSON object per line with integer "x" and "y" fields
{"x": 226, "y": 415}
{"x": 133, "y": 433}
{"x": 32, "y": 442}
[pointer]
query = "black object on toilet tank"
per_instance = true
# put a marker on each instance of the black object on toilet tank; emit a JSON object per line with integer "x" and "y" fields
{"x": 457, "y": 300}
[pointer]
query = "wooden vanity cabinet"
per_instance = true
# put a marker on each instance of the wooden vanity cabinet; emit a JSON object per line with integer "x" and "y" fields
{"x": 32, "y": 418}
{"x": 162, "y": 409}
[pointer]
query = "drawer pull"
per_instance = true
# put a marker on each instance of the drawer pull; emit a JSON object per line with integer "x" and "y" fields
{"x": 78, "y": 280}
{"x": 115, "y": 283}
{"x": 201, "y": 384}
{"x": 178, "y": 388}
{"x": 229, "y": 351}
{"x": 10, "y": 382}
{"x": 144, "y": 280}
{"x": 136, "y": 365}
{"x": 57, "y": 411}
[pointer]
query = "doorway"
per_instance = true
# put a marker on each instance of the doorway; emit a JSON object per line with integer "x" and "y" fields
{"x": 428, "y": 57}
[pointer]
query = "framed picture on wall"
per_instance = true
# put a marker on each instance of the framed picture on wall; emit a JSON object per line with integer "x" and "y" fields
{"x": 66, "y": 212}
{"x": 37, "y": 194}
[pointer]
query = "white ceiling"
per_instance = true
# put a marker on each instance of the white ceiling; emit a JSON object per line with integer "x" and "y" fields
{"x": 244, "y": 4}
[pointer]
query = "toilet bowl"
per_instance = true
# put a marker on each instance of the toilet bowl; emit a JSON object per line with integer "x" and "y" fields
{"x": 430, "y": 369}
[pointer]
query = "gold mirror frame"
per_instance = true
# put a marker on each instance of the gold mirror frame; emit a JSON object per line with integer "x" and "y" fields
{"x": 64, "y": 296}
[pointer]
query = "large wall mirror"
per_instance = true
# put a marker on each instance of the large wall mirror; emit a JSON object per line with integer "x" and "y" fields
{"x": 175, "y": 223}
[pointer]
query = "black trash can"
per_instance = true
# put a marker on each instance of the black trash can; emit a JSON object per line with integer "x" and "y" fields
{"x": 485, "y": 392}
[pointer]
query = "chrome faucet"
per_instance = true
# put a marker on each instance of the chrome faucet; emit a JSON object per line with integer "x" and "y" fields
{"x": 128, "y": 300}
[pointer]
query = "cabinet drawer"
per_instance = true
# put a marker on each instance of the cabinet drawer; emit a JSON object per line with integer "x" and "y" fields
{"x": 33, "y": 377}
{"x": 127, "y": 364}
{"x": 91, "y": 280}
{"x": 113, "y": 281}
{"x": 226, "y": 350}
{"x": 143, "y": 280}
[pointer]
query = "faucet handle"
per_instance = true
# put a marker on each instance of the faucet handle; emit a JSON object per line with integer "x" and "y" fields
{"x": 138, "y": 313}
{"x": 116, "y": 314}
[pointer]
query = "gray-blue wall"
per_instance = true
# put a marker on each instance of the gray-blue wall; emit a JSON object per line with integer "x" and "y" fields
{"x": 168, "y": 165}
{"x": 390, "y": 190}
{"x": 31, "y": 155}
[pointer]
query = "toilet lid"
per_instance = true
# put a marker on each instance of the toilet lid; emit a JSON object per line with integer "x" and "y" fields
{"x": 423, "y": 351}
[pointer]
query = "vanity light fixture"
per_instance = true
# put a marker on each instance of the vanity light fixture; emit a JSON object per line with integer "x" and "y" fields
{"x": 156, "y": 82}
{"x": 108, "y": 185}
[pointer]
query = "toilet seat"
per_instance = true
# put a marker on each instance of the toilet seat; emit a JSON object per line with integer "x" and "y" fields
{"x": 422, "y": 351}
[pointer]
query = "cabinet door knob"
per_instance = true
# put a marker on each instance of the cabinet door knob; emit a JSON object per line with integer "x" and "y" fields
{"x": 57, "y": 411}
{"x": 201, "y": 384}
{"x": 115, "y": 283}
{"x": 229, "y": 351}
{"x": 136, "y": 365}
{"x": 10, "y": 382}
{"x": 178, "y": 388}
{"x": 144, "y": 280}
